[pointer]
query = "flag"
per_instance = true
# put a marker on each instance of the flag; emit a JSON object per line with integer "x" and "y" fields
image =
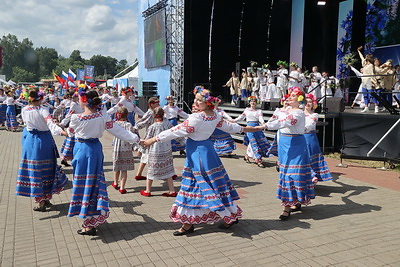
{"x": 64, "y": 75}
{"x": 80, "y": 73}
{"x": 58, "y": 78}
{"x": 89, "y": 72}
{"x": 71, "y": 75}
{"x": 1, "y": 56}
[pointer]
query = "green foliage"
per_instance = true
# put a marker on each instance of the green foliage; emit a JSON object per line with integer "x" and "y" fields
{"x": 22, "y": 75}
{"x": 23, "y": 62}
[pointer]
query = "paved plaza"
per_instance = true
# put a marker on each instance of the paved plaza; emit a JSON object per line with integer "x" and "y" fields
{"x": 354, "y": 221}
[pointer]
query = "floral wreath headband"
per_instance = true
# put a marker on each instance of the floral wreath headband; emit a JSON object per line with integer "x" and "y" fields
{"x": 170, "y": 97}
{"x": 211, "y": 101}
{"x": 299, "y": 93}
{"x": 253, "y": 98}
{"x": 313, "y": 99}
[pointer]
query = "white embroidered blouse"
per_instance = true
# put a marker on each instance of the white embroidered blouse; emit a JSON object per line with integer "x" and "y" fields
{"x": 288, "y": 122}
{"x": 251, "y": 115}
{"x": 93, "y": 126}
{"x": 39, "y": 118}
{"x": 311, "y": 122}
{"x": 174, "y": 112}
{"x": 199, "y": 127}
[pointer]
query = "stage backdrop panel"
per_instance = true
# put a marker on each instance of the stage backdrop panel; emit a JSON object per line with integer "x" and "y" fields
{"x": 362, "y": 131}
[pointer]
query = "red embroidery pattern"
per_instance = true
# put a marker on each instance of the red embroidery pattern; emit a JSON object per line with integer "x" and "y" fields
{"x": 293, "y": 121}
{"x": 185, "y": 124}
{"x": 91, "y": 116}
{"x": 32, "y": 108}
{"x": 109, "y": 125}
{"x": 220, "y": 123}
{"x": 208, "y": 118}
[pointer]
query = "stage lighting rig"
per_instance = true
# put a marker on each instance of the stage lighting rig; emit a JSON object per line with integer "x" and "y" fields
{"x": 154, "y": 8}
{"x": 321, "y": 3}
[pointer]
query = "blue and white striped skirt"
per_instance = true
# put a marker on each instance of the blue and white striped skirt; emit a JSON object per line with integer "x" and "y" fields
{"x": 67, "y": 149}
{"x": 318, "y": 163}
{"x": 207, "y": 194}
{"x": 223, "y": 142}
{"x": 295, "y": 184}
{"x": 89, "y": 192}
{"x": 3, "y": 109}
{"x": 11, "y": 119}
{"x": 39, "y": 175}
{"x": 257, "y": 141}
{"x": 175, "y": 145}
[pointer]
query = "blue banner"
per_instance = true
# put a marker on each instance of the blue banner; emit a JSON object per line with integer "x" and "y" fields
{"x": 80, "y": 73}
{"x": 89, "y": 73}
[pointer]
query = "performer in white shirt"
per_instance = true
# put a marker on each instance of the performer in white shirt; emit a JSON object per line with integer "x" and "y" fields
{"x": 89, "y": 192}
{"x": 295, "y": 187}
{"x": 256, "y": 142}
{"x": 314, "y": 88}
{"x": 294, "y": 76}
{"x": 207, "y": 194}
{"x": 3, "y": 107}
{"x": 281, "y": 80}
{"x": 127, "y": 102}
{"x": 263, "y": 80}
{"x": 39, "y": 176}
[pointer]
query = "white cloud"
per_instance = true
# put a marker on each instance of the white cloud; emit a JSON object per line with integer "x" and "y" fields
{"x": 94, "y": 27}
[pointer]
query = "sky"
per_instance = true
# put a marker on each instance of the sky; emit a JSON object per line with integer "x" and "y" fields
{"x": 105, "y": 27}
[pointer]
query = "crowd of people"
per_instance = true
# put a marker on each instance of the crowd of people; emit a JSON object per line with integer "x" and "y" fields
{"x": 206, "y": 194}
{"x": 267, "y": 84}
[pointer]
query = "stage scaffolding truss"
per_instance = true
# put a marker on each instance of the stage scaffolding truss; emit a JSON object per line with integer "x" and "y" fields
{"x": 175, "y": 48}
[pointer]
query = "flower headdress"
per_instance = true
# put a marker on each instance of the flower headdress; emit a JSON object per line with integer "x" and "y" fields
{"x": 284, "y": 98}
{"x": 282, "y": 62}
{"x": 294, "y": 64}
{"x": 169, "y": 97}
{"x": 313, "y": 99}
{"x": 207, "y": 98}
{"x": 127, "y": 90}
{"x": 299, "y": 93}
{"x": 250, "y": 98}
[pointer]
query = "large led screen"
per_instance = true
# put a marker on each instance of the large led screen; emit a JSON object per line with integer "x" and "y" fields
{"x": 155, "y": 43}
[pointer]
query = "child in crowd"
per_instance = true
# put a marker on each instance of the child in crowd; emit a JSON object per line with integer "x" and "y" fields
{"x": 123, "y": 160}
{"x": 159, "y": 156}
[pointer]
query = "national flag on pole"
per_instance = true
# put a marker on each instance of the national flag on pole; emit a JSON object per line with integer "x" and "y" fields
{"x": 80, "y": 73}
{"x": 89, "y": 72}
{"x": 71, "y": 75}
{"x": 58, "y": 78}
{"x": 64, "y": 75}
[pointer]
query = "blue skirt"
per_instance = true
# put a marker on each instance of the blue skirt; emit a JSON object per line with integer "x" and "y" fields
{"x": 176, "y": 146}
{"x": 223, "y": 142}
{"x": 67, "y": 148}
{"x": 318, "y": 163}
{"x": 3, "y": 109}
{"x": 257, "y": 141}
{"x": 295, "y": 175}
{"x": 273, "y": 148}
{"x": 39, "y": 175}
{"x": 89, "y": 192}
{"x": 205, "y": 183}
{"x": 131, "y": 118}
{"x": 11, "y": 119}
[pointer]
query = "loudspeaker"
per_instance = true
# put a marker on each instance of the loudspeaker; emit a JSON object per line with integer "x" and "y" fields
{"x": 240, "y": 103}
{"x": 335, "y": 104}
{"x": 265, "y": 105}
{"x": 275, "y": 103}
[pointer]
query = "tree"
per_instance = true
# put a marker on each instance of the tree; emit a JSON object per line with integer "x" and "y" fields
{"x": 47, "y": 61}
{"x": 22, "y": 75}
{"x": 104, "y": 66}
{"x": 122, "y": 64}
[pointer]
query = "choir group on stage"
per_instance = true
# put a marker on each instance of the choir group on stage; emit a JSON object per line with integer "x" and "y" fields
{"x": 206, "y": 194}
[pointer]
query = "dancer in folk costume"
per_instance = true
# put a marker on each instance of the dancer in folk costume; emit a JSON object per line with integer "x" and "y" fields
{"x": 223, "y": 142}
{"x": 3, "y": 107}
{"x": 159, "y": 156}
{"x": 318, "y": 163}
{"x": 234, "y": 87}
{"x": 123, "y": 160}
{"x": 89, "y": 198}
{"x": 359, "y": 99}
{"x": 272, "y": 91}
{"x": 172, "y": 113}
{"x": 51, "y": 99}
{"x": 126, "y": 101}
{"x": 295, "y": 185}
{"x": 315, "y": 78}
{"x": 294, "y": 76}
{"x": 263, "y": 86}
{"x": 11, "y": 113}
{"x": 145, "y": 122}
{"x": 281, "y": 80}
{"x": 39, "y": 176}
{"x": 256, "y": 142}
{"x": 67, "y": 148}
{"x": 207, "y": 194}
